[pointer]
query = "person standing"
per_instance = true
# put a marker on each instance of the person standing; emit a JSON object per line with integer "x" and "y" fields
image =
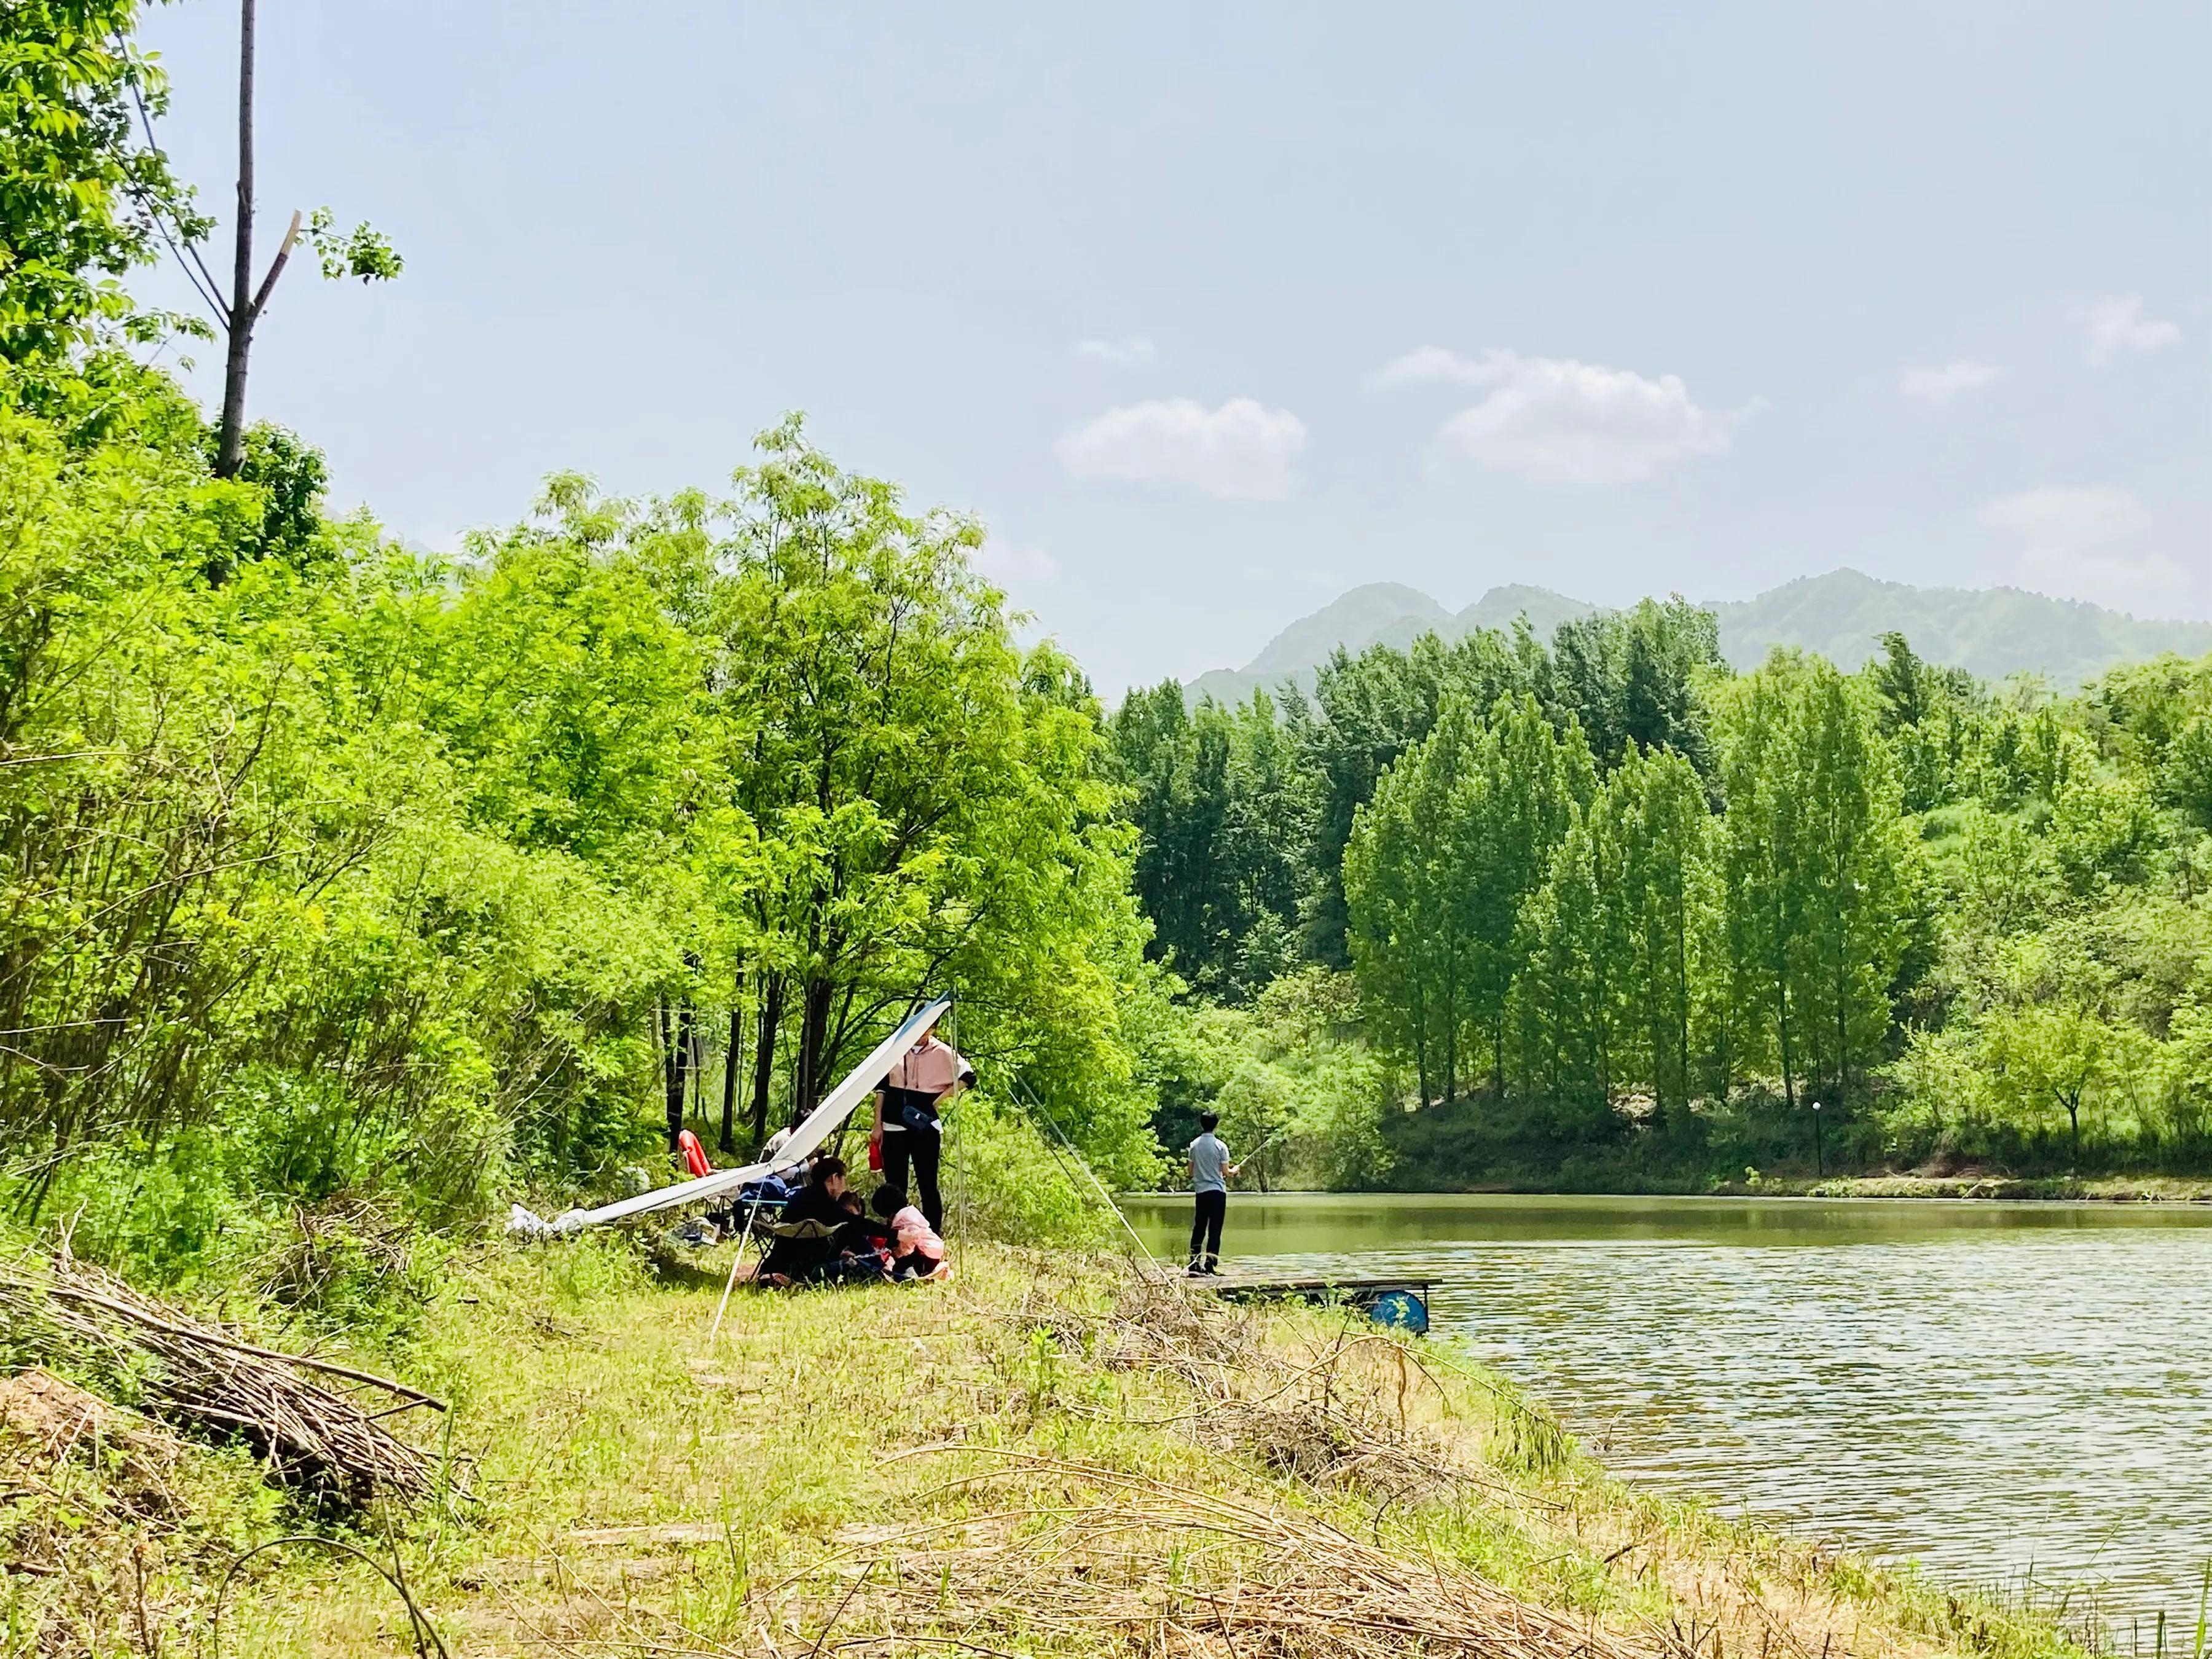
{"x": 1210, "y": 1172}
{"x": 908, "y": 1129}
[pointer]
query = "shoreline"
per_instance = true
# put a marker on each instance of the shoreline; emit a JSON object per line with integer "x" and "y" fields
{"x": 2165, "y": 1190}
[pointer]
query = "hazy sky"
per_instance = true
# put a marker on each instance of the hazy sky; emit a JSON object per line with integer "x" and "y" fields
{"x": 1212, "y": 311}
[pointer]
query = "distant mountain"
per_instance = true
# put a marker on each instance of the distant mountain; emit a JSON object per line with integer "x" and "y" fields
{"x": 1992, "y": 631}
{"x": 1379, "y": 613}
{"x": 1501, "y": 606}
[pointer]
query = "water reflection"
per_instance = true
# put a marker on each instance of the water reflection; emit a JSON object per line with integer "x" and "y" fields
{"x": 1988, "y": 1387}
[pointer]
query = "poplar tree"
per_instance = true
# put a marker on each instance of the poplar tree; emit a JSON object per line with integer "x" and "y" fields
{"x": 1572, "y": 996}
{"x": 1813, "y": 865}
{"x": 1668, "y": 883}
{"x": 1526, "y": 784}
{"x": 1759, "y": 861}
{"x": 1405, "y": 887}
{"x": 1850, "y": 854}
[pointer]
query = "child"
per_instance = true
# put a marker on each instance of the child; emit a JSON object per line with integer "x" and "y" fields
{"x": 1209, "y": 1174}
{"x": 920, "y": 1251}
{"x": 862, "y": 1252}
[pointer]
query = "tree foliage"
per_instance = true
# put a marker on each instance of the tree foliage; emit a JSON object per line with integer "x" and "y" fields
{"x": 394, "y": 873}
{"x": 85, "y": 194}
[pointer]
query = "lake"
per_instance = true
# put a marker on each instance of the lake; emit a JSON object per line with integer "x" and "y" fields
{"x": 1993, "y": 1388}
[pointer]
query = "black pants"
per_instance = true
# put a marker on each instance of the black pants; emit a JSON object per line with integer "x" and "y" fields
{"x": 1205, "y": 1218}
{"x": 922, "y": 1146}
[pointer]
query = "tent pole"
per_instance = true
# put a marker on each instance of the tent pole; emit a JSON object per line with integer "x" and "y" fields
{"x": 731, "y": 1284}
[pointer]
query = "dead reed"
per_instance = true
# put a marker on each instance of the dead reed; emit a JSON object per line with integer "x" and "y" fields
{"x": 1086, "y": 1558}
{"x": 1334, "y": 1415}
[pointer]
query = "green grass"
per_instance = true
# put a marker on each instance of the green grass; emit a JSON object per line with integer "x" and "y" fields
{"x": 939, "y": 1460}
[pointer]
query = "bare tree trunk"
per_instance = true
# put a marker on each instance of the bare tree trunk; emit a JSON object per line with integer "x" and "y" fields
{"x": 813, "y": 1032}
{"x": 764, "y": 1029}
{"x": 1782, "y": 1026}
{"x": 730, "y": 1076}
{"x": 231, "y": 448}
{"x": 676, "y": 1062}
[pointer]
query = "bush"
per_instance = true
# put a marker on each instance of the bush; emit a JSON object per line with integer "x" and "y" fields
{"x": 1017, "y": 1185}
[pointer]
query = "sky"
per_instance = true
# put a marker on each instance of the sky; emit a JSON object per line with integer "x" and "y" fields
{"x": 1211, "y": 312}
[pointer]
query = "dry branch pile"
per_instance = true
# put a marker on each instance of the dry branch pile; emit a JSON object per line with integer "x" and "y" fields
{"x": 291, "y": 1409}
{"x": 46, "y": 1422}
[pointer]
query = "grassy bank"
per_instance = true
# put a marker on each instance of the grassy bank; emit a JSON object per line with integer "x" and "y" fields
{"x": 1049, "y": 1456}
{"x": 2105, "y": 1189}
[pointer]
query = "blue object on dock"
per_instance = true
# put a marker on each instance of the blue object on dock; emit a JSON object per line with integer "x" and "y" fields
{"x": 1397, "y": 1304}
{"x": 1400, "y": 1309}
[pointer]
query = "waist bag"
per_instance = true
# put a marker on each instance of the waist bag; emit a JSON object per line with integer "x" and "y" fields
{"x": 910, "y": 1108}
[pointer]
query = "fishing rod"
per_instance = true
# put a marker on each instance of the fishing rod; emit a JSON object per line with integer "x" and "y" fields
{"x": 1023, "y": 1091}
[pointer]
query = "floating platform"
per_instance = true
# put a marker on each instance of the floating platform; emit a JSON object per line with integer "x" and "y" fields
{"x": 1397, "y": 1302}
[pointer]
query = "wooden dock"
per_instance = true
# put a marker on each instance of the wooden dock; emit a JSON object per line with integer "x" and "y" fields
{"x": 1398, "y": 1300}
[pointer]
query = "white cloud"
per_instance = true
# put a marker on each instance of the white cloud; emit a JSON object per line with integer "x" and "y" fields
{"x": 1015, "y": 562}
{"x": 1940, "y": 386}
{"x": 1238, "y": 450}
{"x": 2117, "y": 327}
{"x": 1128, "y": 352}
{"x": 2088, "y": 516}
{"x": 1558, "y": 420}
{"x": 1426, "y": 363}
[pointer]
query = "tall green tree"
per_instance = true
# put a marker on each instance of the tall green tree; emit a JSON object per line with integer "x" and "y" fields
{"x": 1670, "y": 890}
{"x": 1411, "y": 927}
{"x": 85, "y": 193}
{"x": 1630, "y": 678}
{"x": 1460, "y": 832}
{"x": 1853, "y": 853}
{"x": 1526, "y": 786}
{"x": 1764, "y": 892}
{"x": 1815, "y": 868}
{"x": 1571, "y": 994}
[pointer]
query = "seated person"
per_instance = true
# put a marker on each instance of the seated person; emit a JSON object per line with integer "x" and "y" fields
{"x": 814, "y": 1214}
{"x": 917, "y": 1252}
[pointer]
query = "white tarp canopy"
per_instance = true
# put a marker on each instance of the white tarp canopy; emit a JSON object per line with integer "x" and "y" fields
{"x": 819, "y": 1125}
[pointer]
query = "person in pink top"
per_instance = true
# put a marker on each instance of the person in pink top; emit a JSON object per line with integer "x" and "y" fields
{"x": 920, "y": 1253}
{"x": 918, "y": 1086}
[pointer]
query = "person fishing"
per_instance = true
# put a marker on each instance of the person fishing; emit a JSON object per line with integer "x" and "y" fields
{"x": 1210, "y": 1172}
{"x": 908, "y": 1129}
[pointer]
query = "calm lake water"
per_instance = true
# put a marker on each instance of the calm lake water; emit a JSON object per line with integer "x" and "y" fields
{"x": 1995, "y": 1389}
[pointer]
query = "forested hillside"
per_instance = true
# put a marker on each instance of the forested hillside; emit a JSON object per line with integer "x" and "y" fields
{"x": 1607, "y": 912}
